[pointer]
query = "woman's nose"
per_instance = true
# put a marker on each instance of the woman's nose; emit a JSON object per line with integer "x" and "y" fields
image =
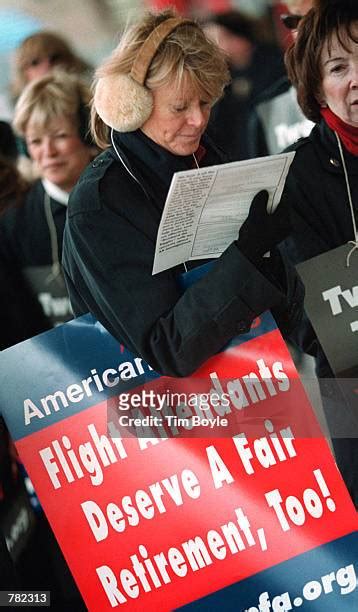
{"x": 197, "y": 117}
{"x": 48, "y": 147}
{"x": 354, "y": 75}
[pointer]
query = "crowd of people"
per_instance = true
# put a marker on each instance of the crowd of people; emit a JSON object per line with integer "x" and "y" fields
{"x": 174, "y": 95}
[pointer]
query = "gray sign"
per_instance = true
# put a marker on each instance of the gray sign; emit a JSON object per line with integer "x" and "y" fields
{"x": 331, "y": 304}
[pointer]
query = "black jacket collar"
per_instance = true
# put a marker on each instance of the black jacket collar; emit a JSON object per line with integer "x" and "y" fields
{"x": 325, "y": 142}
{"x": 157, "y": 160}
{"x": 143, "y": 153}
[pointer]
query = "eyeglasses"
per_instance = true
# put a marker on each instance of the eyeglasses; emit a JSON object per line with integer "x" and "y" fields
{"x": 291, "y": 21}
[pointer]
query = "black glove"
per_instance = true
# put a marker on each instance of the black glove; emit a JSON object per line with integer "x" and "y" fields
{"x": 262, "y": 231}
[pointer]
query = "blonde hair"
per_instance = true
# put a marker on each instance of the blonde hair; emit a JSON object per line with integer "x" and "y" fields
{"x": 38, "y": 46}
{"x": 186, "y": 52}
{"x": 56, "y": 94}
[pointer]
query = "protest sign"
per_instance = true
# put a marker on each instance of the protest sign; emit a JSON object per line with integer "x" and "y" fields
{"x": 331, "y": 303}
{"x": 161, "y": 521}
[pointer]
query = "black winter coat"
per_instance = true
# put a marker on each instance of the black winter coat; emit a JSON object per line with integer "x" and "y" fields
{"x": 25, "y": 235}
{"x": 109, "y": 244}
{"x": 322, "y": 218}
{"x": 27, "y": 249}
{"x": 21, "y": 314}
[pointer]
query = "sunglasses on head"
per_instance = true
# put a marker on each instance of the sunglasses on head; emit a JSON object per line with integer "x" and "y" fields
{"x": 290, "y": 21}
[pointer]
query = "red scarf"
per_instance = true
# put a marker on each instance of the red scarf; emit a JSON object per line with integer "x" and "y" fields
{"x": 347, "y": 133}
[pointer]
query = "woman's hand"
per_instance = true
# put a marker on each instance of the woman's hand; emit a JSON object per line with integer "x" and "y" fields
{"x": 262, "y": 231}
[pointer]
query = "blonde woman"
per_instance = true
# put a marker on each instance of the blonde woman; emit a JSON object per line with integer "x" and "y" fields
{"x": 152, "y": 103}
{"x": 51, "y": 117}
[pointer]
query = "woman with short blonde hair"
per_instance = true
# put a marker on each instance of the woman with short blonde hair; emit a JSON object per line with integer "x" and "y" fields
{"x": 151, "y": 106}
{"x": 51, "y": 115}
{"x": 188, "y": 53}
{"x": 55, "y": 94}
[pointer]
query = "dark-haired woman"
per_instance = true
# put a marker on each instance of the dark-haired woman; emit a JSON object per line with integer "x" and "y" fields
{"x": 322, "y": 184}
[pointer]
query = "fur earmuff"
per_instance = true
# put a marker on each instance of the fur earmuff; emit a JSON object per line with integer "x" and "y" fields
{"x": 122, "y": 103}
{"x": 121, "y": 100}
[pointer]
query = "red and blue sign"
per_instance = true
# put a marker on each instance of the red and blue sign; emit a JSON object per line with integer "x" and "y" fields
{"x": 252, "y": 515}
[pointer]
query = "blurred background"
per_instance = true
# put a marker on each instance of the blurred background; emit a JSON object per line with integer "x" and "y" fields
{"x": 93, "y": 27}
